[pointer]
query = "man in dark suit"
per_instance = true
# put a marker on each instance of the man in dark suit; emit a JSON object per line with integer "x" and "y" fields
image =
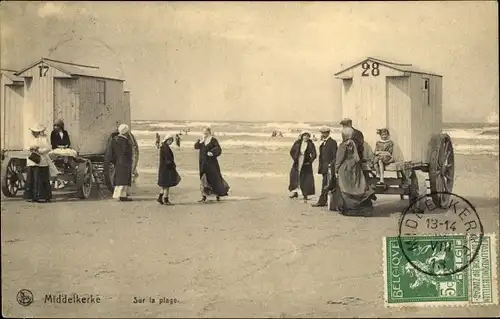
{"x": 327, "y": 155}
{"x": 357, "y": 137}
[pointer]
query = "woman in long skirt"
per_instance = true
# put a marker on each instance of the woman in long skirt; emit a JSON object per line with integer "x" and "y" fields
{"x": 303, "y": 153}
{"x": 122, "y": 157}
{"x": 167, "y": 173}
{"x": 38, "y": 188}
{"x": 211, "y": 181}
{"x": 352, "y": 196}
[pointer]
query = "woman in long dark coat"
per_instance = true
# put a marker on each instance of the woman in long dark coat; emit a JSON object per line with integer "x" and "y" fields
{"x": 167, "y": 173}
{"x": 303, "y": 153}
{"x": 352, "y": 196}
{"x": 212, "y": 182}
{"x": 123, "y": 160}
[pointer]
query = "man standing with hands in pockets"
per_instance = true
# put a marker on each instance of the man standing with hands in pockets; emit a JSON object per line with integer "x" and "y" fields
{"x": 327, "y": 155}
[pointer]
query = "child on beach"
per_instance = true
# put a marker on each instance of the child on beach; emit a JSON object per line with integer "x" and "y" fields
{"x": 383, "y": 153}
{"x": 167, "y": 172}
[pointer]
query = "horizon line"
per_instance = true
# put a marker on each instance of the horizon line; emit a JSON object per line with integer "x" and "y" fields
{"x": 288, "y": 121}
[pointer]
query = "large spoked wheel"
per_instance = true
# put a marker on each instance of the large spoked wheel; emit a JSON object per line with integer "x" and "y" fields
{"x": 84, "y": 180}
{"x": 441, "y": 169}
{"x": 418, "y": 187}
{"x": 12, "y": 176}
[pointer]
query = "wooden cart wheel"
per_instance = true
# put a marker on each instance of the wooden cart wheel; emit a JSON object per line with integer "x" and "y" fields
{"x": 11, "y": 183}
{"x": 441, "y": 169}
{"x": 84, "y": 180}
{"x": 417, "y": 186}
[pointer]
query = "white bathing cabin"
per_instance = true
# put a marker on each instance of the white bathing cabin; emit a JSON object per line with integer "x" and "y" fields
{"x": 90, "y": 102}
{"x": 400, "y": 97}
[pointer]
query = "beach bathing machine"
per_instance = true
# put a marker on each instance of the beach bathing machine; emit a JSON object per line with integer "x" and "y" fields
{"x": 91, "y": 103}
{"x": 407, "y": 101}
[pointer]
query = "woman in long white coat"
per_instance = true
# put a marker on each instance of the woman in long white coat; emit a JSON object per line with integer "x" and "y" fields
{"x": 38, "y": 187}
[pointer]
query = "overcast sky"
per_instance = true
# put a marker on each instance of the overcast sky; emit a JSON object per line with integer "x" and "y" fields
{"x": 259, "y": 61}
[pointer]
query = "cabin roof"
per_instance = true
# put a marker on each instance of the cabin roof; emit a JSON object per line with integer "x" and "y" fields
{"x": 393, "y": 65}
{"x": 73, "y": 69}
{"x": 11, "y": 75}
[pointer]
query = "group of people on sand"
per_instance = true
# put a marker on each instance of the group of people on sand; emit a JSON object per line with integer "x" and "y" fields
{"x": 343, "y": 168}
{"x": 41, "y": 168}
{"x": 40, "y": 164}
{"x": 211, "y": 181}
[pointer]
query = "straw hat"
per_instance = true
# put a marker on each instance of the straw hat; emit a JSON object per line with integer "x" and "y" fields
{"x": 37, "y": 128}
{"x": 324, "y": 129}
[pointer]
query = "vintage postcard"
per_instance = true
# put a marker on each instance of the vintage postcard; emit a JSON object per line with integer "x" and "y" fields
{"x": 208, "y": 159}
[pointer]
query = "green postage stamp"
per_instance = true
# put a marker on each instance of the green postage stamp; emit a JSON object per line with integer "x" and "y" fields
{"x": 448, "y": 270}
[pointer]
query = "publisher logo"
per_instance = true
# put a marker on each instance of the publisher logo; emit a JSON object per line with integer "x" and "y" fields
{"x": 24, "y": 297}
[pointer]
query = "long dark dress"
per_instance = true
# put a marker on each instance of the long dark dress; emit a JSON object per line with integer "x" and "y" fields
{"x": 306, "y": 176}
{"x": 167, "y": 173}
{"x": 122, "y": 158}
{"x": 210, "y": 173}
{"x": 38, "y": 184}
{"x": 352, "y": 196}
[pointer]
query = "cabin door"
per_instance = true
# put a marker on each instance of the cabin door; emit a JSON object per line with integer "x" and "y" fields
{"x": 66, "y": 107}
{"x": 399, "y": 116}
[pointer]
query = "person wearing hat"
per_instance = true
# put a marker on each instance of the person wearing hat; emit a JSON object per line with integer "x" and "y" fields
{"x": 122, "y": 154}
{"x": 303, "y": 153}
{"x": 326, "y": 163}
{"x": 59, "y": 138}
{"x": 353, "y": 195}
{"x": 135, "y": 147}
{"x": 357, "y": 137}
{"x": 38, "y": 188}
{"x": 383, "y": 153}
{"x": 61, "y": 144}
{"x": 167, "y": 173}
{"x": 211, "y": 180}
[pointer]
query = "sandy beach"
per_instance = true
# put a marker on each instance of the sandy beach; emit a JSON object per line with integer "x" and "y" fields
{"x": 255, "y": 254}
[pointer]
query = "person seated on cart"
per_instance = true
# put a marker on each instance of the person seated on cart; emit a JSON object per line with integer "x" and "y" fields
{"x": 61, "y": 143}
{"x": 383, "y": 153}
